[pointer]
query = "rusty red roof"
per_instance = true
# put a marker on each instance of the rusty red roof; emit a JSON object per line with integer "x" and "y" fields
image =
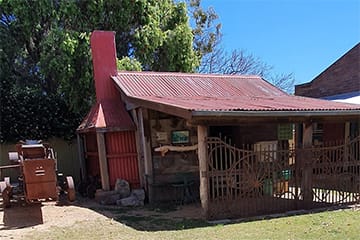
{"x": 209, "y": 92}
{"x": 107, "y": 115}
{"x": 162, "y": 84}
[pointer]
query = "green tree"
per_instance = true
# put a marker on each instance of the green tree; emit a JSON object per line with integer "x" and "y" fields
{"x": 206, "y": 30}
{"x": 128, "y": 64}
{"x": 44, "y": 51}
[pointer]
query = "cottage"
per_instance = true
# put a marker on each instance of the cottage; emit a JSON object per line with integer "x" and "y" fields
{"x": 237, "y": 143}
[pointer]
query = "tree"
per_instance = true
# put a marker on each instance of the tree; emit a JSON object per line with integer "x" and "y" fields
{"x": 45, "y": 50}
{"x": 240, "y": 62}
{"x": 128, "y": 64}
{"x": 29, "y": 114}
{"x": 206, "y": 29}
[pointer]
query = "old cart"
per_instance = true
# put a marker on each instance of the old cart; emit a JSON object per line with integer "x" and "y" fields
{"x": 38, "y": 178}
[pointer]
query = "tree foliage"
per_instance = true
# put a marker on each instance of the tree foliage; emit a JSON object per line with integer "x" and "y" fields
{"x": 128, "y": 64}
{"x": 45, "y": 56}
{"x": 206, "y": 30}
{"x": 32, "y": 115}
{"x": 46, "y": 83}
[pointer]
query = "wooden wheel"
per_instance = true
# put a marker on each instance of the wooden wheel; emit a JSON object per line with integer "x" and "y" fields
{"x": 70, "y": 188}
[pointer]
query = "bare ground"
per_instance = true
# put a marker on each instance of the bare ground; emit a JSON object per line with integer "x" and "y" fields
{"x": 21, "y": 219}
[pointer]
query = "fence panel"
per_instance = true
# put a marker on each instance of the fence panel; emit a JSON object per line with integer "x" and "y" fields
{"x": 247, "y": 182}
{"x": 255, "y": 180}
{"x": 336, "y": 173}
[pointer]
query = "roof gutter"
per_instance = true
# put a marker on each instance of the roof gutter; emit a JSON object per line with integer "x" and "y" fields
{"x": 311, "y": 113}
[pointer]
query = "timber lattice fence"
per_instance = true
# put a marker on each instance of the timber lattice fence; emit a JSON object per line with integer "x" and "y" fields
{"x": 255, "y": 180}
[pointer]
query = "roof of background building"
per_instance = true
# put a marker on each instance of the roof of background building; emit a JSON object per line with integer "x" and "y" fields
{"x": 341, "y": 77}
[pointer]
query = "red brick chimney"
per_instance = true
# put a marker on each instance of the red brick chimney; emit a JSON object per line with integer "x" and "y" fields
{"x": 104, "y": 64}
{"x": 109, "y": 112}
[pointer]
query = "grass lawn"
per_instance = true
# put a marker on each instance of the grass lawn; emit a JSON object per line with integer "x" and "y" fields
{"x": 337, "y": 224}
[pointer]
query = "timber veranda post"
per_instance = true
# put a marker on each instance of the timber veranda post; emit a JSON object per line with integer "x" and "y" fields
{"x": 307, "y": 164}
{"x": 143, "y": 119}
{"x": 104, "y": 170}
{"x": 202, "y": 132}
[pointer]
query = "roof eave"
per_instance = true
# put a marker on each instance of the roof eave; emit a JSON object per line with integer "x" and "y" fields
{"x": 161, "y": 107}
{"x": 282, "y": 113}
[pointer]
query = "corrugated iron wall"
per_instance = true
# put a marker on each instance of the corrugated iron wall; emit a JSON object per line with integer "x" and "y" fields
{"x": 122, "y": 157}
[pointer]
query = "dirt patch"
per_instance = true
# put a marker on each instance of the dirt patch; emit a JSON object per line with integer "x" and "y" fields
{"x": 21, "y": 219}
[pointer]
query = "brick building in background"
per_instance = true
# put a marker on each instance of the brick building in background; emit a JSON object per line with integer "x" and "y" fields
{"x": 339, "y": 82}
{"x": 339, "y": 79}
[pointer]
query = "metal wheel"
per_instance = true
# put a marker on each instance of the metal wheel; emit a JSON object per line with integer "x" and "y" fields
{"x": 70, "y": 188}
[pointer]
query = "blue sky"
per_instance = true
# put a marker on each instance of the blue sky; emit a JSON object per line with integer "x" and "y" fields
{"x": 302, "y": 37}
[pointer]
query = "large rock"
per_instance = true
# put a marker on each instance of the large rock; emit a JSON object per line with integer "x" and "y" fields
{"x": 139, "y": 194}
{"x": 122, "y": 187}
{"x": 131, "y": 201}
{"x": 134, "y": 200}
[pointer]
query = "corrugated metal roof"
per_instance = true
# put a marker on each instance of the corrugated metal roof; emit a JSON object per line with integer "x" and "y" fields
{"x": 280, "y": 103}
{"x": 138, "y": 84}
{"x": 205, "y": 92}
{"x": 108, "y": 115}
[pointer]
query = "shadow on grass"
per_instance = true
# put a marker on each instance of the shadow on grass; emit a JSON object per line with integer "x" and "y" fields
{"x": 154, "y": 217}
{"x": 155, "y": 223}
{"x": 166, "y": 217}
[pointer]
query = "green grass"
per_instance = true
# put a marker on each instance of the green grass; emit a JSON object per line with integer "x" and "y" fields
{"x": 339, "y": 224}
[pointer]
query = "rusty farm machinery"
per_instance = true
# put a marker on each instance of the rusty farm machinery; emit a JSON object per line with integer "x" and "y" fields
{"x": 38, "y": 180}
